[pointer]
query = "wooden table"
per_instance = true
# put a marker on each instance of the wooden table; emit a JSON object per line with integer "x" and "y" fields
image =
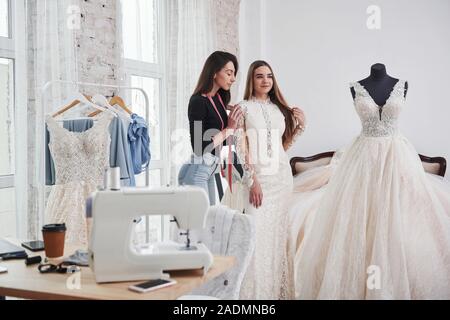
{"x": 27, "y": 282}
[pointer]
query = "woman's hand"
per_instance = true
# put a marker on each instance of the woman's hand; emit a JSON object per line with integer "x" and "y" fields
{"x": 234, "y": 117}
{"x": 230, "y": 107}
{"x": 233, "y": 122}
{"x": 299, "y": 116}
{"x": 256, "y": 195}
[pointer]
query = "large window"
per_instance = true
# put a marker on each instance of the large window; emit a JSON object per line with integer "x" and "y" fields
{"x": 143, "y": 45}
{"x": 7, "y": 132}
{"x": 7, "y": 117}
{"x": 4, "y": 18}
{"x": 142, "y": 25}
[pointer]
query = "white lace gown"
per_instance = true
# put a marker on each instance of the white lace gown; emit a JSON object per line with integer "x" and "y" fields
{"x": 269, "y": 275}
{"x": 380, "y": 228}
{"x": 80, "y": 160}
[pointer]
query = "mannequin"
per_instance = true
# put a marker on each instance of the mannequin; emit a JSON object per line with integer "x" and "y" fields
{"x": 379, "y": 85}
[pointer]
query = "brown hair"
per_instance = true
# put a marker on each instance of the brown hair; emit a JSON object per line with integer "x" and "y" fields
{"x": 276, "y": 97}
{"x": 213, "y": 64}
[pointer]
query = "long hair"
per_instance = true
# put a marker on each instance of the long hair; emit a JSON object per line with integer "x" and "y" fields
{"x": 275, "y": 96}
{"x": 215, "y": 62}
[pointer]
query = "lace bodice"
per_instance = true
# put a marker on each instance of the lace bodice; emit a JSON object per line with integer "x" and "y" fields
{"x": 369, "y": 112}
{"x": 80, "y": 156}
{"x": 259, "y": 137}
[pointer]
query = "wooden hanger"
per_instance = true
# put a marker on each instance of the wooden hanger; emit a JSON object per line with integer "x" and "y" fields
{"x": 119, "y": 101}
{"x": 114, "y": 100}
{"x": 70, "y": 106}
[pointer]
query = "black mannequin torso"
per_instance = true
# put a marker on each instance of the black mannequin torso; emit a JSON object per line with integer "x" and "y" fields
{"x": 379, "y": 85}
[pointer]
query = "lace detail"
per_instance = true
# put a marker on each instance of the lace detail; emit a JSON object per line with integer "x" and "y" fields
{"x": 242, "y": 152}
{"x": 379, "y": 121}
{"x": 270, "y": 273}
{"x": 265, "y": 101}
{"x": 269, "y": 130}
{"x": 80, "y": 161}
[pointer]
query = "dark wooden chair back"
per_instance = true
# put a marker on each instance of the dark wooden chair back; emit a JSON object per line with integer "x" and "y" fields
{"x": 435, "y": 165}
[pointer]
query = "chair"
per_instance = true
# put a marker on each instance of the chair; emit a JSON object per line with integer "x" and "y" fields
{"x": 434, "y": 165}
{"x": 301, "y": 164}
{"x": 239, "y": 243}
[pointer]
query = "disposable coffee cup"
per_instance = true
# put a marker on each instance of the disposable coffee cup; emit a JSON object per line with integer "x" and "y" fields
{"x": 54, "y": 238}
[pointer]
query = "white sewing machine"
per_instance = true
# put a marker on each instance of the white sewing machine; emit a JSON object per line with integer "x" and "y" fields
{"x": 112, "y": 255}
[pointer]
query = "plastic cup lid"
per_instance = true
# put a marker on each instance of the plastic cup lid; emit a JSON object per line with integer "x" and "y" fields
{"x": 54, "y": 227}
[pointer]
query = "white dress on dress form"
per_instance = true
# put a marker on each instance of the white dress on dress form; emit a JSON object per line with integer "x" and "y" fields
{"x": 380, "y": 228}
{"x": 80, "y": 160}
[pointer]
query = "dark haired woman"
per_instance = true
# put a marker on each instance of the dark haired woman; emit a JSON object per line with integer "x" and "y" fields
{"x": 209, "y": 124}
{"x": 268, "y": 129}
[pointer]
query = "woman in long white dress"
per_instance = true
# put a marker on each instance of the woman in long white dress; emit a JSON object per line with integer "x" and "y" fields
{"x": 267, "y": 130}
{"x": 380, "y": 228}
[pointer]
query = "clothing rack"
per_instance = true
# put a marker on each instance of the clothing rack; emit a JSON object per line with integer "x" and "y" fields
{"x": 41, "y": 139}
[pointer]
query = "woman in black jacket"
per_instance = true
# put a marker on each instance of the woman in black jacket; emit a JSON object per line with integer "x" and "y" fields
{"x": 209, "y": 124}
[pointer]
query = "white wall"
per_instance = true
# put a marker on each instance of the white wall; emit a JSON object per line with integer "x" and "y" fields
{"x": 251, "y": 37}
{"x": 317, "y": 47}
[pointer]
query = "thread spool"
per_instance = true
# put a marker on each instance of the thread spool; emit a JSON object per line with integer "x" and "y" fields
{"x": 114, "y": 178}
{"x": 105, "y": 179}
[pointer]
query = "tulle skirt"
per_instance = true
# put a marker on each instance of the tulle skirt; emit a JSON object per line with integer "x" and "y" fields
{"x": 380, "y": 228}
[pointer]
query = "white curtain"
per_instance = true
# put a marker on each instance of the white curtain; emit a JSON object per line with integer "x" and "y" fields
{"x": 51, "y": 55}
{"x": 55, "y": 51}
{"x": 191, "y": 39}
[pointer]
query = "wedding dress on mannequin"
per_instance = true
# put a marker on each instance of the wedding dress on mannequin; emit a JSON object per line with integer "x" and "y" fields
{"x": 376, "y": 226}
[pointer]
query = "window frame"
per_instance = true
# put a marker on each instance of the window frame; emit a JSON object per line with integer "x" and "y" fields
{"x": 156, "y": 71}
{"x": 7, "y": 45}
{"x": 8, "y": 51}
{"x": 15, "y": 47}
{"x": 136, "y": 68}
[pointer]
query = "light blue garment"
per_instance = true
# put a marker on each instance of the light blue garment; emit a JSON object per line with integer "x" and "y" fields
{"x": 120, "y": 155}
{"x": 200, "y": 174}
{"x": 139, "y": 143}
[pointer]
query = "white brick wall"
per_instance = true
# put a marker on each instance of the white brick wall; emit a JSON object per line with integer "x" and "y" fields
{"x": 227, "y": 25}
{"x": 96, "y": 43}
